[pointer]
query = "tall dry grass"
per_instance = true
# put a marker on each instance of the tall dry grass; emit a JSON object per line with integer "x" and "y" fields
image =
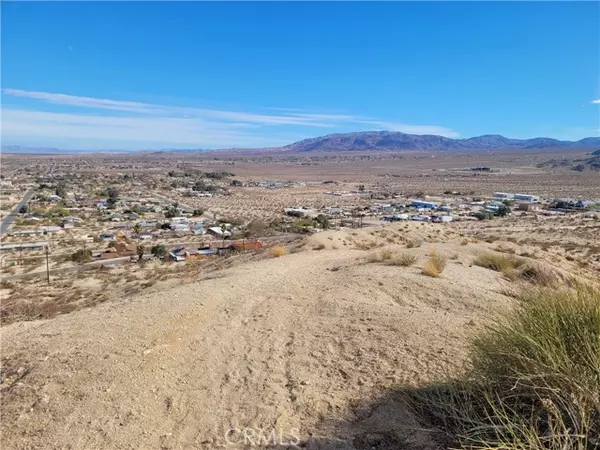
{"x": 534, "y": 381}
{"x": 277, "y": 251}
{"x": 499, "y": 262}
{"x": 434, "y": 266}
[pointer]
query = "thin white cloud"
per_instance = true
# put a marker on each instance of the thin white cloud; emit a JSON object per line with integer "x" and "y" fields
{"x": 174, "y": 125}
{"x": 151, "y": 109}
{"x": 170, "y": 131}
{"x": 596, "y": 101}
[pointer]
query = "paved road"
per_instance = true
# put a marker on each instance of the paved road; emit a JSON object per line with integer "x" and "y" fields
{"x": 8, "y": 220}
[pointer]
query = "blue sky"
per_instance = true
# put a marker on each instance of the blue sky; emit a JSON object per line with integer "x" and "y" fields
{"x": 134, "y": 75}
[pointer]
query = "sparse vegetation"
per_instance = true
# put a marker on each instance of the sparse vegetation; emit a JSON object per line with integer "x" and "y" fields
{"x": 81, "y": 256}
{"x": 534, "y": 381}
{"x": 386, "y": 255}
{"x": 414, "y": 243}
{"x": 434, "y": 266}
{"x": 498, "y": 262}
{"x": 277, "y": 251}
{"x": 403, "y": 259}
{"x": 159, "y": 251}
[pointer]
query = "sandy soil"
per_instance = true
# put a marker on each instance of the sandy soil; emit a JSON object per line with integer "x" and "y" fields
{"x": 304, "y": 344}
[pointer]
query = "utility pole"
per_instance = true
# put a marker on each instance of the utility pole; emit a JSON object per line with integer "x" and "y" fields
{"x": 47, "y": 267}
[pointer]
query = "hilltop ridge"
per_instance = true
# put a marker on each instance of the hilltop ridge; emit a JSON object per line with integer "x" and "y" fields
{"x": 394, "y": 140}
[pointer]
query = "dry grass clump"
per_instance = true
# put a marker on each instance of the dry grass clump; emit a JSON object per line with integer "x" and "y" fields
{"x": 386, "y": 255}
{"x": 534, "y": 380}
{"x": 434, "y": 266}
{"x": 499, "y": 262}
{"x": 403, "y": 259}
{"x": 383, "y": 255}
{"x": 414, "y": 243}
{"x": 277, "y": 251}
{"x": 390, "y": 258}
{"x": 366, "y": 245}
{"x": 540, "y": 275}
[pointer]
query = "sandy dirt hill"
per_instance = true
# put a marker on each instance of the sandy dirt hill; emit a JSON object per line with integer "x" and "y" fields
{"x": 304, "y": 344}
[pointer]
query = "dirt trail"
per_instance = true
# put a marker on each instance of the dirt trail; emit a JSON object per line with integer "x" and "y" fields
{"x": 291, "y": 344}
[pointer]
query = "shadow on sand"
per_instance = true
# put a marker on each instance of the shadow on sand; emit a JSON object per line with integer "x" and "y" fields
{"x": 385, "y": 423}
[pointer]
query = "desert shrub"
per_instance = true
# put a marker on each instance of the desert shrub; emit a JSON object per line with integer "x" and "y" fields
{"x": 159, "y": 251}
{"x": 366, "y": 245}
{"x": 277, "y": 251}
{"x": 414, "y": 243}
{"x": 386, "y": 255}
{"x": 498, "y": 262}
{"x": 319, "y": 247}
{"x": 81, "y": 256}
{"x": 541, "y": 275}
{"x": 534, "y": 380}
{"x": 403, "y": 259}
{"x": 434, "y": 266}
{"x": 527, "y": 255}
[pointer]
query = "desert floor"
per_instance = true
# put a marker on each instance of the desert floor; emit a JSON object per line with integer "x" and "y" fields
{"x": 313, "y": 344}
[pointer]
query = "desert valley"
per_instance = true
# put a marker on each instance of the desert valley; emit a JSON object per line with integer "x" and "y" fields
{"x": 272, "y": 299}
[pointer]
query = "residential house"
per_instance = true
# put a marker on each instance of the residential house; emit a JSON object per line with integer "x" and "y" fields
{"x": 423, "y": 204}
{"x": 219, "y": 232}
{"x": 198, "y": 229}
{"x": 179, "y": 227}
{"x": 529, "y": 207}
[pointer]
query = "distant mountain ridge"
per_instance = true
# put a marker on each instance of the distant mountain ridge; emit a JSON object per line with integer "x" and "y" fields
{"x": 364, "y": 141}
{"x": 395, "y": 140}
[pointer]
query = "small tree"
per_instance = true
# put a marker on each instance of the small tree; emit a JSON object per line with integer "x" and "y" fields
{"x": 140, "y": 252}
{"x": 23, "y": 209}
{"x": 137, "y": 228}
{"x": 198, "y": 212}
{"x": 503, "y": 211}
{"x": 61, "y": 189}
{"x": 113, "y": 194}
{"x": 159, "y": 251}
{"x": 81, "y": 256}
{"x": 322, "y": 221}
{"x": 483, "y": 215}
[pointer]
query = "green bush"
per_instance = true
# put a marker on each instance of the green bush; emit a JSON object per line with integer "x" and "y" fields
{"x": 81, "y": 256}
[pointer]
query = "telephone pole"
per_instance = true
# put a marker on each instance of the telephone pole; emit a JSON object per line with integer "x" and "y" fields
{"x": 47, "y": 267}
